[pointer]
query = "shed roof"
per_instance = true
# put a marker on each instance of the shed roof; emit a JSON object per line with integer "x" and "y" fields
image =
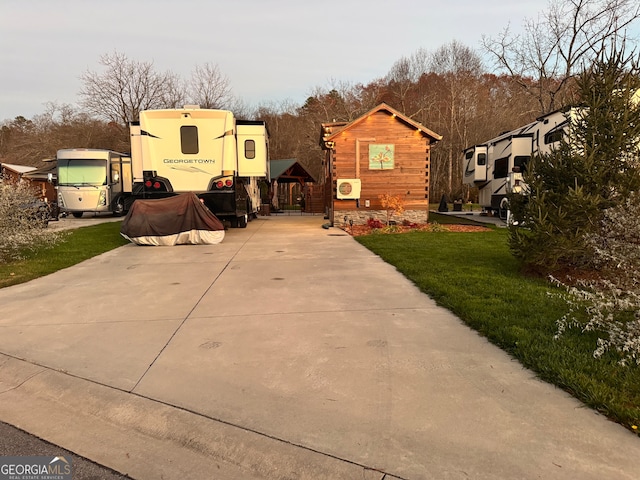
{"x": 289, "y": 170}
{"x": 18, "y": 168}
{"x": 330, "y": 130}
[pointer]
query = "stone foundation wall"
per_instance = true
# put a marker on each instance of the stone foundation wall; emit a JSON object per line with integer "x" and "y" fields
{"x": 360, "y": 217}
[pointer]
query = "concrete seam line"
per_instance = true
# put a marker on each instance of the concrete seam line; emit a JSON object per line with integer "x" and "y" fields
{"x": 190, "y": 312}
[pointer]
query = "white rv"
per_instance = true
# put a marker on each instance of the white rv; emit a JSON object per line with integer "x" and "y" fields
{"x": 496, "y": 166}
{"x": 92, "y": 180}
{"x": 207, "y": 152}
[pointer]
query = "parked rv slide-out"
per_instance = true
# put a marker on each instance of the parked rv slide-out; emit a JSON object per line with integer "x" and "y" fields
{"x": 496, "y": 166}
{"x": 188, "y": 150}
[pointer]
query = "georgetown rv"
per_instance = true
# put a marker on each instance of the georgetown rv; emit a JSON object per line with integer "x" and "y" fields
{"x": 207, "y": 152}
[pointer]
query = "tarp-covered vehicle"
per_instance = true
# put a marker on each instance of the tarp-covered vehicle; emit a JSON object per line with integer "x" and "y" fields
{"x": 181, "y": 219}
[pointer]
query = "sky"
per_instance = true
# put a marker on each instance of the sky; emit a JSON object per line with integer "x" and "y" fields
{"x": 271, "y": 51}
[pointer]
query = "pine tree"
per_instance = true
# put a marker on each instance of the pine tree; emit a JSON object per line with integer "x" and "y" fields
{"x": 595, "y": 167}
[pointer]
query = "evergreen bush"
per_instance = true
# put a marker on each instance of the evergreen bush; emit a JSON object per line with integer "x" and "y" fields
{"x": 595, "y": 168}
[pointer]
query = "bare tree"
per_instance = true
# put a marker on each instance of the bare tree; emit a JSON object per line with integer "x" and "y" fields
{"x": 31, "y": 142}
{"x": 554, "y": 47}
{"x": 209, "y": 88}
{"x": 175, "y": 92}
{"x": 401, "y": 79}
{"x": 284, "y": 128}
{"x": 458, "y": 69}
{"x": 125, "y": 88}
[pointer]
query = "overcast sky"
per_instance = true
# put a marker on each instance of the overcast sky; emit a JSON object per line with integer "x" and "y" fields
{"x": 270, "y": 50}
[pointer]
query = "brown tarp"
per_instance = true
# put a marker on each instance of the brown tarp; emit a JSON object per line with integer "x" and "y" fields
{"x": 180, "y": 219}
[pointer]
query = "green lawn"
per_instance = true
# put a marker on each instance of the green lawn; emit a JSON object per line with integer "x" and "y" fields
{"x": 74, "y": 247}
{"x": 474, "y": 276}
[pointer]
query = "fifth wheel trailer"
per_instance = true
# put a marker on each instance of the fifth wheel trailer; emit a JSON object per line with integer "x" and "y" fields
{"x": 496, "y": 166}
{"x": 204, "y": 151}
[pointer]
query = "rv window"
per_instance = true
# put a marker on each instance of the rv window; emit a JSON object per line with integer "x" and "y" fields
{"x": 501, "y": 167}
{"x": 82, "y": 171}
{"x": 189, "y": 139}
{"x": 482, "y": 159}
{"x": 468, "y": 155}
{"x": 521, "y": 161}
{"x": 115, "y": 173}
{"x": 250, "y": 149}
{"x": 553, "y": 137}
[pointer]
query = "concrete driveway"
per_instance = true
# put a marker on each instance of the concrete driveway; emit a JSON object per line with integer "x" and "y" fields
{"x": 70, "y": 222}
{"x": 286, "y": 352}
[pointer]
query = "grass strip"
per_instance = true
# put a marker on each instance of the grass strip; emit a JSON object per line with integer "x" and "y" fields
{"x": 74, "y": 247}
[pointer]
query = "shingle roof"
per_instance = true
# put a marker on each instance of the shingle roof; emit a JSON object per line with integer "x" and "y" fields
{"x": 291, "y": 167}
{"x": 331, "y": 130}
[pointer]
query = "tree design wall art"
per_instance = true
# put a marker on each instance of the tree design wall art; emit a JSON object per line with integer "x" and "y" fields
{"x": 381, "y": 157}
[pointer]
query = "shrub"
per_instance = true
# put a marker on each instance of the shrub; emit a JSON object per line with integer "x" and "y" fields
{"x": 21, "y": 223}
{"x": 609, "y": 303}
{"x": 595, "y": 168}
{"x": 392, "y": 229}
{"x": 436, "y": 227}
{"x": 374, "y": 223}
{"x": 409, "y": 223}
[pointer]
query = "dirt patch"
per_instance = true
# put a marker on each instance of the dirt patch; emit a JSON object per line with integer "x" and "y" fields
{"x": 358, "y": 230}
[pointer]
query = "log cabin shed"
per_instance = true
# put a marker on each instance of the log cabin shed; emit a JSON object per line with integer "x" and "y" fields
{"x": 381, "y": 152}
{"x": 45, "y": 179}
{"x": 13, "y": 173}
{"x": 38, "y": 177}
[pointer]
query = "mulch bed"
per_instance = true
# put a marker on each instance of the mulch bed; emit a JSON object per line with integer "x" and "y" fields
{"x": 357, "y": 230}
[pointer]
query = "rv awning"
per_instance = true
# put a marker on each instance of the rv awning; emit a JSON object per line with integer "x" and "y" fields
{"x": 42, "y": 174}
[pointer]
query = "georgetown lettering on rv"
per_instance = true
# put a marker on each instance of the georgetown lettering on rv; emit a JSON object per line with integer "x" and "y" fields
{"x": 189, "y": 160}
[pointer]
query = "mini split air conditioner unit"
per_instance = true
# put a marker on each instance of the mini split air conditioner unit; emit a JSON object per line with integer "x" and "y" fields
{"x": 348, "y": 189}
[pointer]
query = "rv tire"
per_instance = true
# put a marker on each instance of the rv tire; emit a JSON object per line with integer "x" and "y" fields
{"x": 77, "y": 214}
{"x": 242, "y": 221}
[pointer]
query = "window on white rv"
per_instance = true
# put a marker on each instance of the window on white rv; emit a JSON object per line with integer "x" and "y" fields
{"x": 250, "y": 149}
{"x": 553, "y": 137}
{"x": 501, "y": 167}
{"x": 521, "y": 161}
{"x": 189, "y": 139}
{"x": 115, "y": 173}
{"x": 82, "y": 172}
{"x": 482, "y": 159}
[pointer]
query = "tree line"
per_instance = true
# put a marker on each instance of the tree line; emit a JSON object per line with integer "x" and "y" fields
{"x": 449, "y": 90}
